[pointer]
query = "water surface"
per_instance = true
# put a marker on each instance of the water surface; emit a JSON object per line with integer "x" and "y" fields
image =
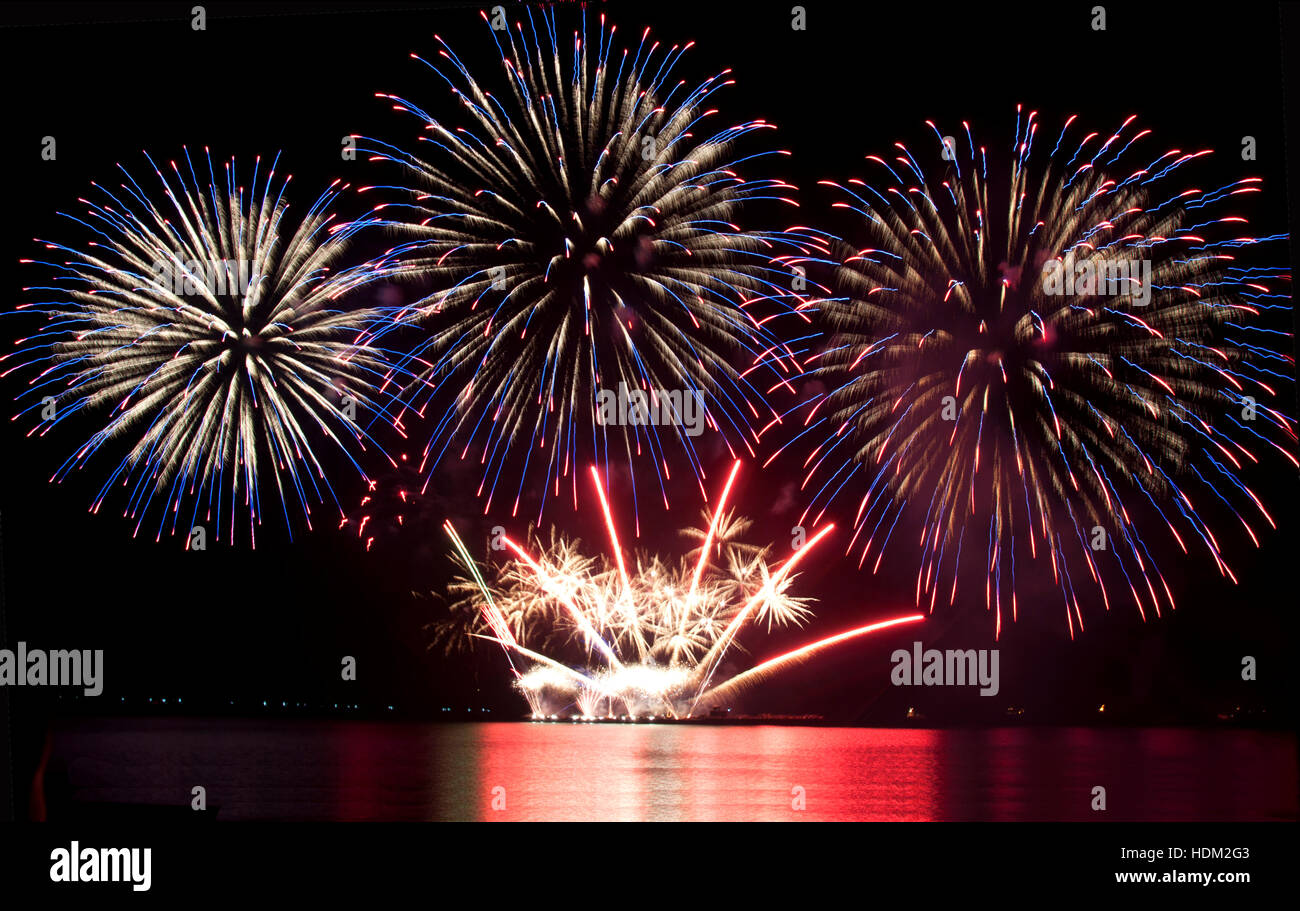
{"x": 351, "y": 770}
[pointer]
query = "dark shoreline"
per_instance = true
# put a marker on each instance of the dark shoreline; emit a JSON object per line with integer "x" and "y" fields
{"x": 735, "y": 721}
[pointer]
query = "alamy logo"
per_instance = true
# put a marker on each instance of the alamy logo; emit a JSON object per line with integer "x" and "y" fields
{"x": 216, "y": 277}
{"x": 61, "y": 667}
{"x": 952, "y": 667}
{"x": 76, "y": 864}
{"x": 659, "y": 408}
{"x": 1129, "y": 278}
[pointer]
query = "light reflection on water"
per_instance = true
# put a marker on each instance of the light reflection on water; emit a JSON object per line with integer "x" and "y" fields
{"x": 360, "y": 770}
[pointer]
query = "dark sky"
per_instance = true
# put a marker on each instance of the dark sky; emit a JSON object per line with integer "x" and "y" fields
{"x": 110, "y": 82}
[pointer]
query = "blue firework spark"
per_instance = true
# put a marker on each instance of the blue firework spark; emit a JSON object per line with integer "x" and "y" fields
{"x": 204, "y": 330}
{"x": 578, "y": 235}
{"x": 1092, "y": 348}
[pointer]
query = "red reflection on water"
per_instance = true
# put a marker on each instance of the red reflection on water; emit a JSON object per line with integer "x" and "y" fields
{"x": 562, "y": 771}
{"x": 567, "y": 771}
{"x": 357, "y": 784}
{"x": 704, "y": 773}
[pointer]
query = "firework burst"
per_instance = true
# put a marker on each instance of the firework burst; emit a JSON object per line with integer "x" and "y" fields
{"x": 203, "y": 328}
{"x": 1043, "y": 374}
{"x": 580, "y": 236}
{"x": 647, "y": 638}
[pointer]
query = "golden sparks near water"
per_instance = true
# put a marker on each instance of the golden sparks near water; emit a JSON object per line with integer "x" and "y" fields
{"x": 644, "y": 639}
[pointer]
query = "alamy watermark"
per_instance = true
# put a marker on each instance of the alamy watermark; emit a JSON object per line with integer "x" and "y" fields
{"x": 217, "y": 277}
{"x": 1099, "y": 278}
{"x": 75, "y": 864}
{"x": 656, "y": 408}
{"x": 60, "y": 667}
{"x": 951, "y": 667}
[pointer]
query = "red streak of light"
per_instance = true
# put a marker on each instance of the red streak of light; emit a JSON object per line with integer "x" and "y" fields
{"x": 713, "y": 527}
{"x": 839, "y": 637}
{"x": 609, "y": 523}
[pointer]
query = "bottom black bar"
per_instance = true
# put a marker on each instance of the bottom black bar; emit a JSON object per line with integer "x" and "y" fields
{"x": 1141, "y": 860}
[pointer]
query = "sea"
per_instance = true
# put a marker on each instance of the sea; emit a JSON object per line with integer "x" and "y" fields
{"x": 294, "y": 769}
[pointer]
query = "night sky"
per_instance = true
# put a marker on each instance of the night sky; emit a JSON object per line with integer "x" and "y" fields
{"x": 232, "y": 623}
